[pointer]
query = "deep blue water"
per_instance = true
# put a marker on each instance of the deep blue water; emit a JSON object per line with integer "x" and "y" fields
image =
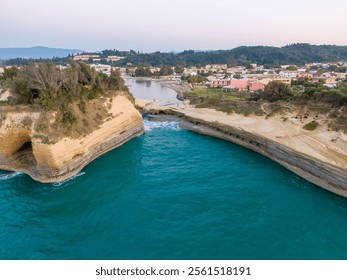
{"x": 172, "y": 194}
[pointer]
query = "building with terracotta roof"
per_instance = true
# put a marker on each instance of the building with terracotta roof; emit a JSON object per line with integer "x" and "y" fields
{"x": 305, "y": 75}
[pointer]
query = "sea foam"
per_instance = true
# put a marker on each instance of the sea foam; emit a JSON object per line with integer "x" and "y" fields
{"x": 4, "y": 177}
{"x": 67, "y": 182}
{"x": 150, "y": 125}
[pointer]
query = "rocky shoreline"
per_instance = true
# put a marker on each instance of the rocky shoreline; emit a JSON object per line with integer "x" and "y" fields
{"x": 324, "y": 172}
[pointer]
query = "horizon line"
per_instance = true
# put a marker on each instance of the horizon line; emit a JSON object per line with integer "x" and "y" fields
{"x": 172, "y": 51}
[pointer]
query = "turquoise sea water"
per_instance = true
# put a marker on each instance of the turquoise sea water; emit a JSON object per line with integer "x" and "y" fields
{"x": 172, "y": 194}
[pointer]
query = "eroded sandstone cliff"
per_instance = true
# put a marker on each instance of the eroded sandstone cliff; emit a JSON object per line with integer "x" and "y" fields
{"x": 319, "y": 156}
{"x": 23, "y": 148}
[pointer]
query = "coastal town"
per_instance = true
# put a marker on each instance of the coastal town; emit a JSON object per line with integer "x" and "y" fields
{"x": 244, "y": 78}
{"x": 251, "y": 77}
{"x": 254, "y": 76}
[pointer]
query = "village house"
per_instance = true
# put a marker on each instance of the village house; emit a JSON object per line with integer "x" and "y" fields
{"x": 330, "y": 80}
{"x": 216, "y": 67}
{"x": 114, "y": 58}
{"x": 324, "y": 80}
{"x": 287, "y": 74}
{"x": 220, "y": 83}
{"x": 287, "y": 81}
{"x": 254, "y": 86}
{"x": 259, "y": 77}
{"x": 241, "y": 85}
{"x": 86, "y": 57}
{"x": 176, "y": 78}
{"x": 154, "y": 69}
{"x": 192, "y": 71}
{"x": 305, "y": 75}
{"x": 106, "y": 69}
{"x": 341, "y": 76}
{"x": 324, "y": 75}
{"x": 238, "y": 69}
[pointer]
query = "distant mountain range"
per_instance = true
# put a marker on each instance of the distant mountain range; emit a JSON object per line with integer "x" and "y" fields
{"x": 35, "y": 52}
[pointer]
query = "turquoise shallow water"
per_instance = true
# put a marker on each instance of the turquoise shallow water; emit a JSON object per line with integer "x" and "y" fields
{"x": 172, "y": 194}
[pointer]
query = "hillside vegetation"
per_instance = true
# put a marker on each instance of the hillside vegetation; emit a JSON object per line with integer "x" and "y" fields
{"x": 298, "y": 54}
{"x": 72, "y": 100}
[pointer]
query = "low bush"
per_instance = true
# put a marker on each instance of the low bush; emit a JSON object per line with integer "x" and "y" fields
{"x": 311, "y": 126}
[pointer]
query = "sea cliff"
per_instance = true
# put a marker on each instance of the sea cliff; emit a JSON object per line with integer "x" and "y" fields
{"x": 23, "y": 149}
{"x": 318, "y": 156}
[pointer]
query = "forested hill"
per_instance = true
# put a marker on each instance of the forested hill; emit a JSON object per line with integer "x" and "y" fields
{"x": 298, "y": 54}
{"x": 291, "y": 54}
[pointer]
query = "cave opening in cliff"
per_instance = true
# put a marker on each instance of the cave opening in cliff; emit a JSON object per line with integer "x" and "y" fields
{"x": 26, "y": 152}
{"x": 26, "y": 147}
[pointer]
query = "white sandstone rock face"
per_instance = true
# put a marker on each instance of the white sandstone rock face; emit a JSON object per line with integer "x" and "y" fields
{"x": 22, "y": 150}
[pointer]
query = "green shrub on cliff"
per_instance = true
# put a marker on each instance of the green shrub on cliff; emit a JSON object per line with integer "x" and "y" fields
{"x": 311, "y": 126}
{"x": 48, "y": 87}
{"x": 9, "y": 73}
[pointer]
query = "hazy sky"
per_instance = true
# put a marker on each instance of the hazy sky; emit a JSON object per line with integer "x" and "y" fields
{"x": 150, "y": 25}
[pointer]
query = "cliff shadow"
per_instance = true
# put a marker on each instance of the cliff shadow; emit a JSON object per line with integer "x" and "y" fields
{"x": 25, "y": 155}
